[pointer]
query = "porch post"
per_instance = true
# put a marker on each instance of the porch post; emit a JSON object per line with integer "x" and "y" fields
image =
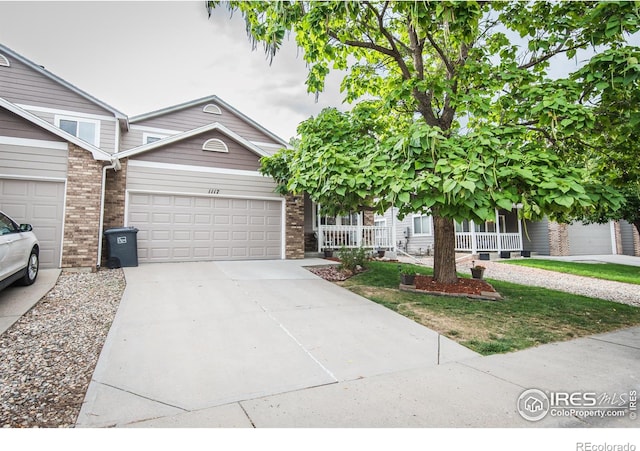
{"x": 393, "y": 230}
{"x": 472, "y": 229}
{"x": 520, "y": 232}
{"x": 320, "y": 233}
{"x": 498, "y": 239}
{"x": 359, "y": 228}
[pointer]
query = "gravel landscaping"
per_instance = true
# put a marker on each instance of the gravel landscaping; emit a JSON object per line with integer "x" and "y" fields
{"x": 48, "y": 356}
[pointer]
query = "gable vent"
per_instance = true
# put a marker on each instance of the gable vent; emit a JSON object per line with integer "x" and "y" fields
{"x": 211, "y": 108}
{"x": 215, "y": 145}
{"x": 4, "y": 61}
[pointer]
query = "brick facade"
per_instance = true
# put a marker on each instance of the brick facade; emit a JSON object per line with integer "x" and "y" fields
{"x": 618, "y": 237}
{"x": 114, "y": 195}
{"x": 558, "y": 239}
{"x": 82, "y": 214}
{"x": 636, "y": 242}
{"x": 294, "y": 228}
{"x": 368, "y": 218}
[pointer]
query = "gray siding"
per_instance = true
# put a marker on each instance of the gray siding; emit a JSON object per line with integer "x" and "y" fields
{"x": 194, "y": 117}
{"x": 21, "y": 84}
{"x": 417, "y": 244}
{"x": 17, "y": 127}
{"x": 26, "y": 161}
{"x": 589, "y": 239}
{"x": 535, "y": 236}
{"x": 626, "y": 231}
{"x": 133, "y": 138}
{"x": 192, "y": 182}
{"x": 189, "y": 151}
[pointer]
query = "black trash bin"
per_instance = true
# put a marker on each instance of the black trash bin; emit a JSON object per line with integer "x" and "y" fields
{"x": 123, "y": 247}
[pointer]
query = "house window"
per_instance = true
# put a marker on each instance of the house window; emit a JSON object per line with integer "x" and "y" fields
{"x": 422, "y": 225}
{"x": 463, "y": 227}
{"x": 86, "y": 129}
{"x": 380, "y": 222}
{"x": 148, "y": 138}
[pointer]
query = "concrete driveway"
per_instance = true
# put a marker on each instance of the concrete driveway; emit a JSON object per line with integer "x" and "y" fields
{"x": 268, "y": 344}
{"x": 192, "y": 340}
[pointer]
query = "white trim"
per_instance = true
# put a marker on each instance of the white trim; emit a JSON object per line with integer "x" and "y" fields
{"x": 27, "y": 142}
{"x": 189, "y": 168}
{"x": 4, "y": 61}
{"x": 98, "y": 154}
{"x": 211, "y": 108}
{"x": 96, "y": 141}
{"x": 413, "y": 229}
{"x": 226, "y": 196}
{"x": 154, "y": 129}
{"x": 283, "y": 233}
{"x": 64, "y": 224}
{"x": 190, "y": 133}
{"x": 262, "y": 144}
{"x": 146, "y": 136}
{"x": 614, "y": 247}
{"x": 215, "y": 145}
{"x": 116, "y": 141}
{"x": 35, "y": 178}
{"x": 41, "y": 109}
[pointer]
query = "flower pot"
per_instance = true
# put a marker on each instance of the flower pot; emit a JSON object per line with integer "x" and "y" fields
{"x": 328, "y": 253}
{"x": 407, "y": 279}
{"x": 381, "y": 254}
{"x": 525, "y": 253}
{"x": 485, "y": 256}
{"x": 477, "y": 273}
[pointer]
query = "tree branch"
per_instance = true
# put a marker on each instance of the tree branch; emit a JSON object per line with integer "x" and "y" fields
{"x": 440, "y": 52}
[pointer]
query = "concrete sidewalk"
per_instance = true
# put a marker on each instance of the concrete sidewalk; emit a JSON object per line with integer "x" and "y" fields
{"x": 618, "y": 259}
{"x": 268, "y": 344}
{"x": 15, "y": 301}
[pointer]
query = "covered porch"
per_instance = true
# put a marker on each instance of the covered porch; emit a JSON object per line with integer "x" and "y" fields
{"x": 502, "y": 234}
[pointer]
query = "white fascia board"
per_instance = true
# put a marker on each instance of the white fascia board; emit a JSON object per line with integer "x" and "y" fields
{"x": 188, "y": 134}
{"x": 98, "y": 154}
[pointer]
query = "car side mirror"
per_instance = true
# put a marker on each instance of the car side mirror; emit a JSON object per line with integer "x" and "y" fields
{"x": 26, "y": 228}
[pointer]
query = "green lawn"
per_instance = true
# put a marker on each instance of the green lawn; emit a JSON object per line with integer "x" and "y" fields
{"x": 607, "y": 271}
{"x": 527, "y": 316}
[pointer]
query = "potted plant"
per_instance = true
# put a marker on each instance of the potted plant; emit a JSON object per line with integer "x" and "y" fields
{"x": 407, "y": 275}
{"x": 477, "y": 271}
{"x": 380, "y": 252}
{"x": 328, "y": 252}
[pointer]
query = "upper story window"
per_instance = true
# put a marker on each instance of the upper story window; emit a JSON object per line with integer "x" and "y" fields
{"x": 422, "y": 225}
{"x": 148, "y": 138}
{"x": 4, "y": 61}
{"x": 86, "y": 129}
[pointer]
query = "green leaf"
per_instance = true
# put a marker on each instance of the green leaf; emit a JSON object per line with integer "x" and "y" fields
{"x": 404, "y": 197}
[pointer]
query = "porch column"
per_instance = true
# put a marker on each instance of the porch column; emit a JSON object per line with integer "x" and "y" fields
{"x": 393, "y": 231}
{"x": 320, "y": 233}
{"x": 359, "y": 229}
{"x": 520, "y": 233}
{"x": 498, "y": 239}
{"x": 472, "y": 229}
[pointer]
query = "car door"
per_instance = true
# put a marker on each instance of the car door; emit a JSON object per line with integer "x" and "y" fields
{"x": 11, "y": 244}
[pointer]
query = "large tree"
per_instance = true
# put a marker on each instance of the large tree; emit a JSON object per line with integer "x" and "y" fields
{"x": 466, "y": 116}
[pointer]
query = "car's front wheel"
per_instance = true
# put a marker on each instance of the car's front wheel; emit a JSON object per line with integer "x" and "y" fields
{"x": 32, "y": 268}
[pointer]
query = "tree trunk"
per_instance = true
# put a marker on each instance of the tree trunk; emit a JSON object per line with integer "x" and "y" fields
{"x": 444, "y": 252}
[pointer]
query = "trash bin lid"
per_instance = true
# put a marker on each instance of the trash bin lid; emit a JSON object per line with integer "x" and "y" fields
{"x": 121, "y": 230}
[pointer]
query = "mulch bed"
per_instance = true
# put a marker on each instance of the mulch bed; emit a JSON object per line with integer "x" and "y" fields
{"x": 464, "y": 286}
{"x": 331, "y": 273}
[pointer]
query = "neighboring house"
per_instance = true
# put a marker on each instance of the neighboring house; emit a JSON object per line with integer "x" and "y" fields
{"x": 186, "y": 176}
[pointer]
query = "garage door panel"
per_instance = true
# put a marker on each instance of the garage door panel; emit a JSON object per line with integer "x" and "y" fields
{"x": 41, "y": 204}
{"x": 187, "y": 228}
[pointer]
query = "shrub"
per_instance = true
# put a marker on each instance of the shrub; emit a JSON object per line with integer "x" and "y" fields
{"x": 351, "y": 258}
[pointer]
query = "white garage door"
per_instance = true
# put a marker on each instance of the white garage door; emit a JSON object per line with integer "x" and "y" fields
{"x": 588, "y": 239}
{"x": 41, "y": 204}
{"x": 190, "y": 228}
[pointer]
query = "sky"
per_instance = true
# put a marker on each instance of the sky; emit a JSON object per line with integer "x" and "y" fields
{"x": 142, "y": 56}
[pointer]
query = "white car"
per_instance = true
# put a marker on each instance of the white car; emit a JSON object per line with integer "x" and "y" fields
{"x": 19, "y": 253}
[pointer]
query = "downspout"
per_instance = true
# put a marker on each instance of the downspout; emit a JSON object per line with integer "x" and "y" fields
{"x": 115, "y": 165}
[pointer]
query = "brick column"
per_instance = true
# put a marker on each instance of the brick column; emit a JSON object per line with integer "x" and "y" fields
{"x": 82, "y": 213}
{"x": 636, "y": 242}
{"x": 294, "y": 227}
{"x": 558, "y": 239}
{"x": 618, "y": 237}
{"x": 367, "y": 218}
{"x": 114, "y": 195}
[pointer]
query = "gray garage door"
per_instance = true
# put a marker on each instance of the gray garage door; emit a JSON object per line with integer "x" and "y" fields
{"x": 190, "y": 228}
{"x": 40, "y": 204}
{"x": 589, "y": 239}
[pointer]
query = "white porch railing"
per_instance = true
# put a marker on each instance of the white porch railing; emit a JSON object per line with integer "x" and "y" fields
{"x": 354, "y": 236}
{"x": 485, "y": 241}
